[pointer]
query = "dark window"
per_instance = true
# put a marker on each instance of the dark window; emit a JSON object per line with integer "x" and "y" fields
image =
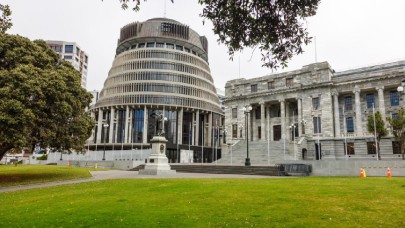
{"x": 187, "y": 50}
{"x": 77, "y": 51}
{"x": 348, "y": 103}
{"x": 160, "y": 45}
{"x": 370, "y": 100}
{"x": 315, "y": 103}
{"x": 253, "y": 88}
{"x": 150, "y": 45}
{"x": 258, "y": 113}
{"x": 371, "y": 148}
{"x": 86, "y": 59}
{"x": 259, "y": 132}
{"x": 317, "y": 124}
{"x": 170, "y": 46}
{"x": 277, "y": 132}
{"x": 234, "y": 113}
{"x": 270, "y": 85}
{"x": 141, "y": 45}
{"x": 68, "y": 57}
{"x": 396, "y": 149}
{"x": 394, "y": 98}
{"x": 234, "y": 130}
{"x": 178, "y": 47}
{"x": 349, "y": 124}
{"x": 394, "y": 115}
{"x": 350, "y": 148}
{"x": 289, "y": 82}
{"x": 68, "y": 48}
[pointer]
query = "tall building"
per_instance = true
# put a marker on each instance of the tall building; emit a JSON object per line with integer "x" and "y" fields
{"x": 161, "y": 66}
{"x": 72, "y": 52}
{"x": 316, "y": 112}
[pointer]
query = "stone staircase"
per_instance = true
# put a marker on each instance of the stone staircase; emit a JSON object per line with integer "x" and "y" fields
{"x": 274, "y": 170}
{"x": 258, "y": 153}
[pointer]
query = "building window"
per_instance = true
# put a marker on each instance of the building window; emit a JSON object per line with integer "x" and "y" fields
{"x": 370, "y": 100}
{"x": 77, "y": 51}
{"x": 68, "y": 57}
{"x": 396, "y": 149}
{"x": 68, "y": 48}
{"x": 178, "y": 47}
{"x": 150, "y": 45}
{"x": 170, "y": 46}
{"x": 234, "y": 130}
{"x": 348, "y": 103}
{"x": 234, "y": 113}
{"x": 349, "y": 124}
{"x": 350, "y": 148}
{"x": 270, "y": 85}
{"x": 160, "y": 45}
{"x": 141, "y": 45}
{"x": 394, "y": 98}
{"x": 258, "y": 113}
{"x": 86, "y": 59}
{"x": 253, "y": 88}
{"x": 317, "y": 124}
{"x": 371, "y": 148}
{"x": 288, "y": 82}
{"x": 394, "y": 115}
{"x": 315, "y": 103}
{"x": 259, "y": 132}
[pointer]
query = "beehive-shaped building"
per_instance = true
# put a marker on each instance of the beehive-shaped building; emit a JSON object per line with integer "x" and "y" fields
{"x": 161, "y": 66}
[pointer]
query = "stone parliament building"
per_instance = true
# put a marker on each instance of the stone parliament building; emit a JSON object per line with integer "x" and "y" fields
{"x": 313, "y": 113}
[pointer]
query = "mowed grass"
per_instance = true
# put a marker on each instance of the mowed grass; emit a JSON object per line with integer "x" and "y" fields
{"x": 11, "y": 175}
{"x": 274, "y": 202}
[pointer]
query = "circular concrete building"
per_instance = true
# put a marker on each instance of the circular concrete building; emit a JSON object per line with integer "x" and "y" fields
{"x": 161, "y": 66}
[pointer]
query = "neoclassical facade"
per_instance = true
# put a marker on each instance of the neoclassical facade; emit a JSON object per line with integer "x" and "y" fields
{"x": 317, "y": 112}
{"x": 161, "y": 66}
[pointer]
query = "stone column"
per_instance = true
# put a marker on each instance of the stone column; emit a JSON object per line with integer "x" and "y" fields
{"x": 111, "y": 136}
{"x": 381, "y": 105}
{"x": 299, "y": 122}
{"x": 145, "y": 125}
{"x": 252, "y": 123}
{"x": 337, "y": 114}
{"x": 287, "y": 121}
{"x": 269, "y": 129}
{"x": 180, "y": 126}
{"x": 282, "y": 114}
{"x": 126, "y": 125}
{"x": 99, "y": 125}
{"x": 359, "y": 129}
{"x": 263, "y": 121}
{"x": 197, "y": 127}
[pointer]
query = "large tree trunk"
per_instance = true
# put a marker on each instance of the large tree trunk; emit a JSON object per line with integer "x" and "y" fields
{"x": 3, "y": 149}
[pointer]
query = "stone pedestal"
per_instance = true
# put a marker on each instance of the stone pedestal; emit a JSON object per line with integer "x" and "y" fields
{"x": 157, "y": 162}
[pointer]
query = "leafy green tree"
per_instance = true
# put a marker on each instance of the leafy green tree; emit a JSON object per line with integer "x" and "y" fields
{"x": 5, "y": 20}
{"x": 275, "y": 27}
{"x": 381, "y": 131}
{"x": 398, "y": 128}
{"x": 41, "y": 99}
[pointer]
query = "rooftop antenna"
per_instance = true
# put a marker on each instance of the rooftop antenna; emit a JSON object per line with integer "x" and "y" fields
{"x": 164, "y": 11}
{"x": 316, "y": 58}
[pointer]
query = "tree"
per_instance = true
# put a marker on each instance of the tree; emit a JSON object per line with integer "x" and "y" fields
{"x": 41, "y": 99}
{"x": 275, "y": 27}
{"x": 380, "y": 131}
{"x": 5, "y": 20}
{"x": 398, "y": 128}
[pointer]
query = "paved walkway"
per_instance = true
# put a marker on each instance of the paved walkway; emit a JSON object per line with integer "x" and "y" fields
{"x": 119, "y": 174}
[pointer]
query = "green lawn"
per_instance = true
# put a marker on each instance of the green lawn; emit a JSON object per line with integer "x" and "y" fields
{"x": 278, "y": 202}
{"x": 11, "y": 175}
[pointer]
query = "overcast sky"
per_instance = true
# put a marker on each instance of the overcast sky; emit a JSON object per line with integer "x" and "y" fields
{"x": 349, "y": 33}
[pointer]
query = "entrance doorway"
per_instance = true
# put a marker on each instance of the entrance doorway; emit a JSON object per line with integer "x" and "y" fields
{"x": 276, "y": 132}
{"x": 318, "y": 151}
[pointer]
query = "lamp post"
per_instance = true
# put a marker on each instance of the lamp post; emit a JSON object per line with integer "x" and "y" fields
{"x": 246, "y": 110}
{"x": 105, "y": 126}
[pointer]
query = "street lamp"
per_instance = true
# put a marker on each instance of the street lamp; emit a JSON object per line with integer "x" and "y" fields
{"x": 246, "y": 110}
{"x": 400, "y": 88}
{"x": 105, "y": 138}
